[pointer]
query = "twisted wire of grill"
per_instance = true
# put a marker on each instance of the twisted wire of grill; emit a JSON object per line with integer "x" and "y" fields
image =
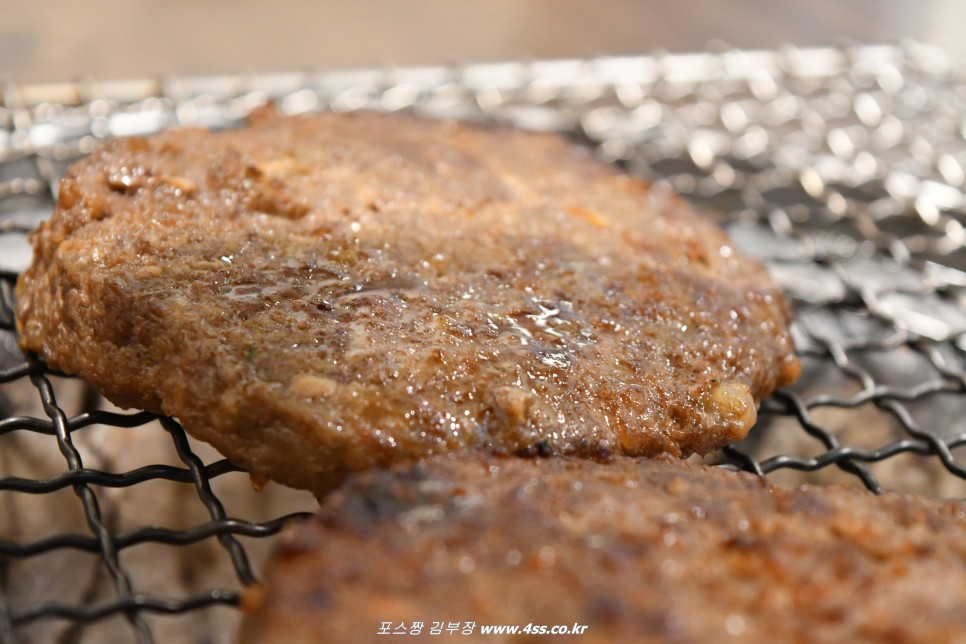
{"x": 820, "y": 162}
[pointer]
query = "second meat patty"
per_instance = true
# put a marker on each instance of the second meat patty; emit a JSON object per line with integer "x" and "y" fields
{"x": 632, "y": 550}
{"x": 323, "y": 294}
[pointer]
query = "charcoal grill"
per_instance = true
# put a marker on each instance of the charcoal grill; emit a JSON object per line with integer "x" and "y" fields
{"x": 842, "y": 169}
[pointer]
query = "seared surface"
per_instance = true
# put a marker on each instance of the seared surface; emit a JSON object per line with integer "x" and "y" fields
{"x": 320, "y": 295}
{"x": 637, "y": 550}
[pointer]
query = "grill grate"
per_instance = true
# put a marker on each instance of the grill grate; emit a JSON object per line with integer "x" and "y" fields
{"x": 842, "y": 169}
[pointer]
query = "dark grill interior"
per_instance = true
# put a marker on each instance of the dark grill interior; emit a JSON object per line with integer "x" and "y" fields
{"x": 842, "y": 169}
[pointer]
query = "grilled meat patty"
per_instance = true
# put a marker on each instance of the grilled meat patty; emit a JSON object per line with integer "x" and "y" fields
{"x": 322, "y": 294}
{"x": 636, "y": 550}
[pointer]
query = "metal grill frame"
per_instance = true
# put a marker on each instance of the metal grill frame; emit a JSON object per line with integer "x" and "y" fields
{"x": 708, "y": 125}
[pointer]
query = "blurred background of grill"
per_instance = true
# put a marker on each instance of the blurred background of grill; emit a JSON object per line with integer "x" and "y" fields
{"x": 59, "y": 40}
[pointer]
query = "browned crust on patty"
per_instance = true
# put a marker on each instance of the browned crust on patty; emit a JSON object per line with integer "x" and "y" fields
{"x": 637, "y": 550}
{"x": 322, "y": 294}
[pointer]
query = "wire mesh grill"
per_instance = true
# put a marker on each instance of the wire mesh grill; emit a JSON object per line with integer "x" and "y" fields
{"x": 842, "y": 169}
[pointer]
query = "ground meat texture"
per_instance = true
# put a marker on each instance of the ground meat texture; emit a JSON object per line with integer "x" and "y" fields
{"x": 638, "y": 550}
{"x": 322, "y": 294}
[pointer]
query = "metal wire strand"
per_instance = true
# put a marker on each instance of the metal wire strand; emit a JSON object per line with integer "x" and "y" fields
{"x": 222, "y": 528}
{"x": 92, "y": 510}
{"x": 133, "y": 604}
{"x": 239, "y": 558}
